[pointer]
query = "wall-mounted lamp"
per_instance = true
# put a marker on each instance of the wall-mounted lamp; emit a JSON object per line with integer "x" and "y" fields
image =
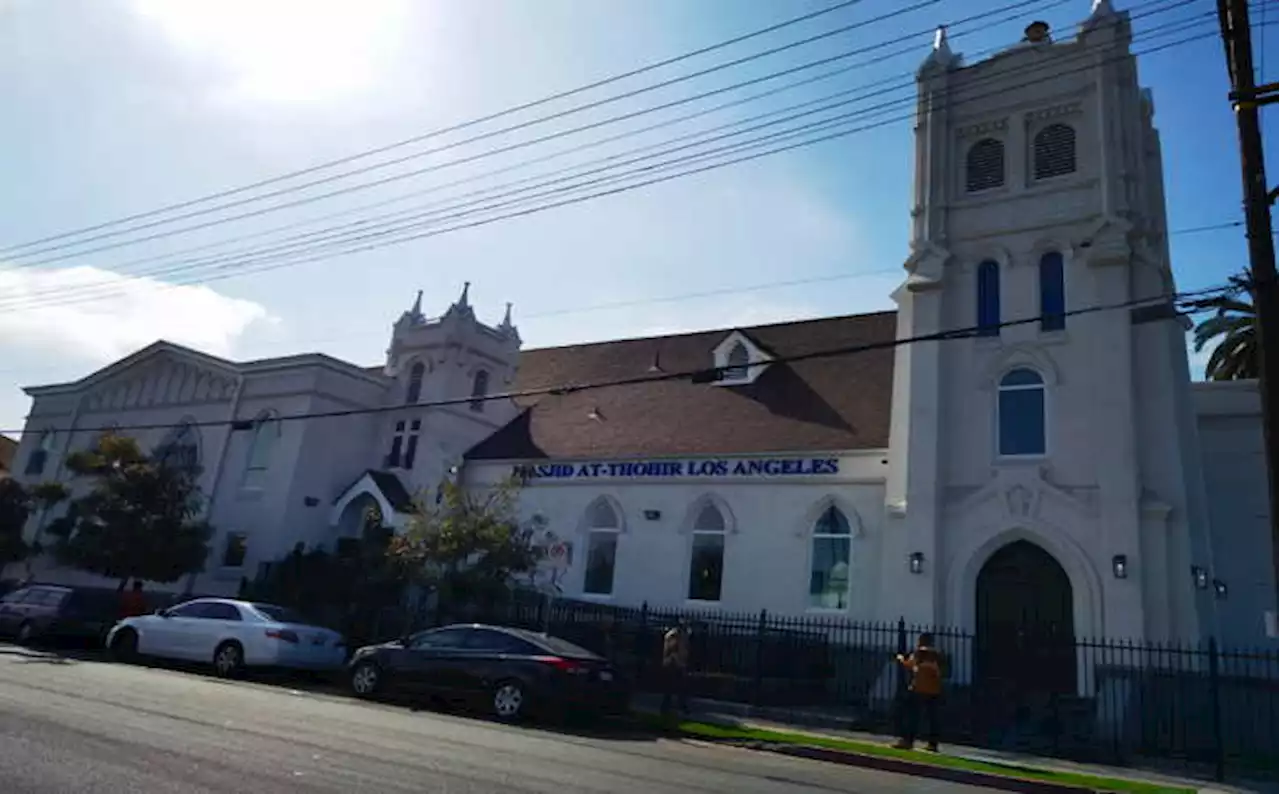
{"x": 652, "y": 515}
{"x": 1219, "y": 589}
{"x": 1201, "y": 577}
{"x": 916, "y": 562}
{"x": 1120, "y": 566}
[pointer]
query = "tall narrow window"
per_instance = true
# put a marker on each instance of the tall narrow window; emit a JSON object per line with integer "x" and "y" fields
{"x": 40, "y": 455}
{"x": 397, "y": 446}
{"x": 181, "y": 450}
{"x": 737, "y": 362}
{"x": 829, "y": 568}
{"x": 479, "y": 390}
{"x": 1053, "y": 299}
{"x": 988, "y": 299}
{"x": 984, "y": 166}
{"x": 706, "y": 559}
{"x": 414, "y": 392}
{"x": 1021, "y": 410}
{"x": 603, "y": 527}
{"x": 1054, "y": 151}
{"x": 411, "y": 444}
{"x": 266, "y": 432}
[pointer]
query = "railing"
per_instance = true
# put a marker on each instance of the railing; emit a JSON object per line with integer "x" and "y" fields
{"x": 1203, "y": 706}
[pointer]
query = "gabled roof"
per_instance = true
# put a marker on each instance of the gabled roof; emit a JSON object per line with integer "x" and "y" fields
{"x": 225, "y": 366}
{"x": 388, "y": 484}
{"x": 821, "y": 404}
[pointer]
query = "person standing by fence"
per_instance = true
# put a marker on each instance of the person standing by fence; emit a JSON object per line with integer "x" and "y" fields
{"x": 675, "y": 661}
{"x": 924, "y": 692}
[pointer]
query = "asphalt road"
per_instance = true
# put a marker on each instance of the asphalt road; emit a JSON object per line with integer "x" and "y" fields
{"x": 69, "y": 725}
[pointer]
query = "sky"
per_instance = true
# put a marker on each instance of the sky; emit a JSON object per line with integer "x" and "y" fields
{"x": 115, "y": 107}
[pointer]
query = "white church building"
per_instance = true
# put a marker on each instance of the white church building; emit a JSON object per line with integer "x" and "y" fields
{"x": 1065, "y": 472}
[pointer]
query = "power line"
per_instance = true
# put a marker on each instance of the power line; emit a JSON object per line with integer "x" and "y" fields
{"x": 599, "y": 142}
{"x": 478, "y": 137}
{"x": 696, "y": 375}
{"x": 266, "y": 254}
{"x": 452, "y": 128}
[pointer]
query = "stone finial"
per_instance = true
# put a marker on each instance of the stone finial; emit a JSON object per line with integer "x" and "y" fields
{"x": 940, "y": 43}
{"x": 941, "y": 57}
{"x": 462, "y": 299}
{"x": 416, "y": 311}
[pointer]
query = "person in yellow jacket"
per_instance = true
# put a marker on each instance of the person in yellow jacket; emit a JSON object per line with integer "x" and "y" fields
{"x": 924, "y": 692}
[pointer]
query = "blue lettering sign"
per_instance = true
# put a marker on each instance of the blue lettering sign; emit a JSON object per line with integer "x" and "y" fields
{"x": 758, "y": 467}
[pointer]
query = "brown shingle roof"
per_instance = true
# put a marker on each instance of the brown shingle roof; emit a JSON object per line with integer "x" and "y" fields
{"x": 833, "y": 403}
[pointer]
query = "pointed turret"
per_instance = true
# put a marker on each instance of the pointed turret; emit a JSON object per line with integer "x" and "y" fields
{"x": 462, "y": 306}
{"x": 940, "y": 58}
{"x": 508, "y": 328}
{"x": 1101, "y": 14}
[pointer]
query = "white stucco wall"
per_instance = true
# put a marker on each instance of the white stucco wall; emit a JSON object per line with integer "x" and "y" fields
{"x": 1229, "y": 416}
{"x": 768, "y": 547}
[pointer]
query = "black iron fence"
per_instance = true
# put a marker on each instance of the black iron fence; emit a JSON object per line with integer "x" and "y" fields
{"x": 1203, "y": 707}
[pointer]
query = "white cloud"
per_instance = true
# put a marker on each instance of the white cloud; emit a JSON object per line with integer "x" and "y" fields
{"x": 94, "y": 316}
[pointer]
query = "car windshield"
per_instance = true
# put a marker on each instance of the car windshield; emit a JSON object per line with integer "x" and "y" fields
{"x": 280, "y": 614}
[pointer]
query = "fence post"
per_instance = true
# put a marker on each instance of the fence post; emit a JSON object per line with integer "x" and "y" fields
{"x": 900, "y": 682}
{"x": 1219, "y": 752}
{"x": 642, "y": 643}
{"x": 758, "y": 685}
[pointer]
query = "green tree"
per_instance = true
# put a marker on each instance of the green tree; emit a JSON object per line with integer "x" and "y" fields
{"x": 139, "y": 519}
{"x": 468, "y": 546}
{"x": 1232, "y": 331}
{"x": 15, "y": 506}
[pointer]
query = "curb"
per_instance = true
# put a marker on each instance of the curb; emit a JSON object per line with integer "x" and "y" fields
{"x": 902, "y": 767}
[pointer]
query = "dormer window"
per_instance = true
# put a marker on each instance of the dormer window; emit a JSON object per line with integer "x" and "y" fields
{"x": 739, "y": 360}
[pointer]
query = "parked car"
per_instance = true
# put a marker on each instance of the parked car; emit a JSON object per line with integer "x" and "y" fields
{"x": 507, "y": 672}
{"x": 231, "y": 635}
{"x": 54, "y": 612}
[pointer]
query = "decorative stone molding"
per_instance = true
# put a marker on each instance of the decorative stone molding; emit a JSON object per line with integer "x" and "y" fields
{"x": 1053, "y": 112}
{"x": 983, "y": 128}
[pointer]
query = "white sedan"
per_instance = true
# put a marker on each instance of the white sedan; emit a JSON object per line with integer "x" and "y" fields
{"x": 231, "y": 635}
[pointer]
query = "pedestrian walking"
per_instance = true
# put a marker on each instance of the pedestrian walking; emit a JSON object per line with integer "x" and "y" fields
{"x": 923, "y": 693}
{"x": 133, "y": 602}
{"x": 675, "y": 661}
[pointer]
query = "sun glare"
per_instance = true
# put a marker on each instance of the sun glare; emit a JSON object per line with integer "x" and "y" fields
{"x": 285, "y": 50}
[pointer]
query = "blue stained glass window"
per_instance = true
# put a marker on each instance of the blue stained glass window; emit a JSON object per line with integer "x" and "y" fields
{"x": 988, "y": 299}
{"x": 1053, "y": 299}
{"x": 1021, "y": 412}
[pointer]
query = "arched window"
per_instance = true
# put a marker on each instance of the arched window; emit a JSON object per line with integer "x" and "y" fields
{"x": 1053, "y": 298}
{"x": 479, "y": 389}
{"x": 829, "y": 566}
{"x": 706, "y": 556}
{"x": 988, "y": 299}
{"x": 1054, "y": 150}
{"x": 414, "y": 392}
{"x": 984, "y": 166}
{"x": 737, "y": 361}
{"x": 266, "y": 433}
{"x": 181, "y": 450}
{"x": 1021, "y": 409}
{"x": 603, "y": 526}
{"x": 40, "y": 455}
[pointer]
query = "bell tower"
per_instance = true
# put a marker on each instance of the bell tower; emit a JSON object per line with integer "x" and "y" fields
{"x": 1038, "y": 192}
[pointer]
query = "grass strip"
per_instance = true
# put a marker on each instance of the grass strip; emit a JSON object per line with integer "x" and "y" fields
{"x": 704, "y": 730}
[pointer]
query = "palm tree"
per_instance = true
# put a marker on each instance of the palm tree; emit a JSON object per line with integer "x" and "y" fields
{"x": 1235, "y": 352}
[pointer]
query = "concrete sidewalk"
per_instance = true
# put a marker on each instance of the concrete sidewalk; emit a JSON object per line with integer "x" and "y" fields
{"x": 834, "y": 725}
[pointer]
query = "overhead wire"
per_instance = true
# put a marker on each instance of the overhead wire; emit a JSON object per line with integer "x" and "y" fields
{"x": 453, "y": 127}
{"x": 694, "y": 375}
{"x": 920, "y": 4}
{"x": 731, "y": 149}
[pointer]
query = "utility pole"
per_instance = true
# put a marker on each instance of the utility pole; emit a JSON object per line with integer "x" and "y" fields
{"x": 1246, "y": 97}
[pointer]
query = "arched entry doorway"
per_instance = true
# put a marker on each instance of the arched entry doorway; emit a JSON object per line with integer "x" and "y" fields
{"x": 1025, "y": 631}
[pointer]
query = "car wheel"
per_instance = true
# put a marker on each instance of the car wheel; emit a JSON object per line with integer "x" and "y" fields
{"x": 366, "y": 680}
{"x": 228, "y": 659}
{"x": 26, "y": 633}
{"x": 508, "y": 700}
{"x": 124, "y": 646}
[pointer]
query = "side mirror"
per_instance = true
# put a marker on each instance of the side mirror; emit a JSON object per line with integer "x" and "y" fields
{"x": 162, "y": 612}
